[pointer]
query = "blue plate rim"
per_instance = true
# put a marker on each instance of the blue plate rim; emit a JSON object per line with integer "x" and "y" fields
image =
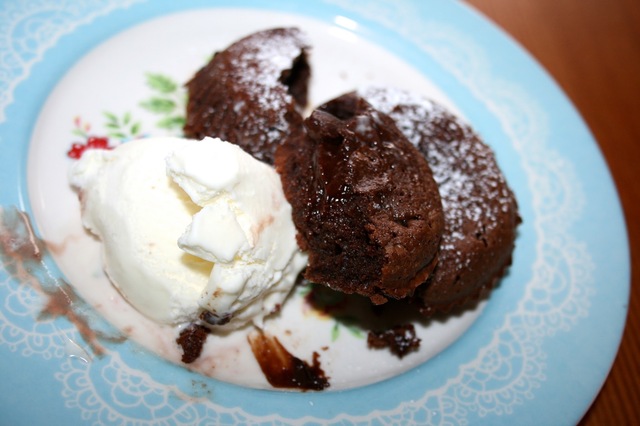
{"x": 484, "y": 35}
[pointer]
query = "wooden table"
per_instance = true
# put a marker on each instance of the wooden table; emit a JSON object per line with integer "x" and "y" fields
{"x": 592, "y": 49}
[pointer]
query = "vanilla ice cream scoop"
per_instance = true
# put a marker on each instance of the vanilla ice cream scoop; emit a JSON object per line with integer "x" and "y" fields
{"x": 191, "y": 230}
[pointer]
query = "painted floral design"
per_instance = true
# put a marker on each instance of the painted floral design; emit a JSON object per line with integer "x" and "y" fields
{"x": 167, "y": 101}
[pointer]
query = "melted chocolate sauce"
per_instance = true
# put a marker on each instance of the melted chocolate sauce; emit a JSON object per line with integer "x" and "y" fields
{"x": 282, "y": 369}
{"x": 214, "y": 319}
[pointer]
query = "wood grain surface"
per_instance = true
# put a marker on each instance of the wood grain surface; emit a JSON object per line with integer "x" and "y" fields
{"x": 592, "y": 49}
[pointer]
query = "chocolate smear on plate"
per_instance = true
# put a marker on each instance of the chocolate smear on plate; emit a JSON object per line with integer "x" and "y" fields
{"x": 282, "y": 369}
{"x": 24, "y": 256}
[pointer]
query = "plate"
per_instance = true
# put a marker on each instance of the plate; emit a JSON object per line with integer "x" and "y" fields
{"x": 525, "y": 356}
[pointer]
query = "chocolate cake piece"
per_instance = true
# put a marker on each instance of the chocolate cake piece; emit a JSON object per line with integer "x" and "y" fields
{"x": 365, "y": 204}
{"x": 400, "y": 339}
{"x": 480, "y": 210}
{"x": 251, "y": 93}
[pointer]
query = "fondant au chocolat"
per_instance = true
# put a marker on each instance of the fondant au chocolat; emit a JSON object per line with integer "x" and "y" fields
{"x": 365, "y": 204}
{"x": 480, "y": 210}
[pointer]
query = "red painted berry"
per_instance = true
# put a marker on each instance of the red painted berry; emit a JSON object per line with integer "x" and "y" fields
{"x": 76, "y": 151}
{"x": 93, "y": 142}
{"x": 97, "y": 142}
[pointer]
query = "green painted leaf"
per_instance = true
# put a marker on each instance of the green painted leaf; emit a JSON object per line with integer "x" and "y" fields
{"x": 111, "y": 117}
{"x": 174, "y": 122}
{"x": 352, "y": 325}
{"x": 355, "y": 331}
{"x": 161, "y": 83}
{"x": 159, "y": 105}
{"x": 126, "y": 118}
{"x": 135, "y": 129}
{"x": 335, "y": 332}
{"x": 305, "y": 289}
{"x": 118, "y": 135}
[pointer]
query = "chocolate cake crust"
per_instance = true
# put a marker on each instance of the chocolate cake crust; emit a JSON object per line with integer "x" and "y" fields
{"x": 365, "y": 204}
{"x": 251, "y": 93}
{"x": 480, "y": 210}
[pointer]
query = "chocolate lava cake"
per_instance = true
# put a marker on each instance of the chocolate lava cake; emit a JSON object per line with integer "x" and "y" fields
{"x": 251, "y": 93}
{"x": 480, "y": 211}
{"x": 365, "y": 203}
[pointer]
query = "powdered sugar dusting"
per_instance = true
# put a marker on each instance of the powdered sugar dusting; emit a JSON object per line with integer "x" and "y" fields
{"x": 474, "y": 193}
{"x": 251, "y": 93}
{"x": 262, "y": 58}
